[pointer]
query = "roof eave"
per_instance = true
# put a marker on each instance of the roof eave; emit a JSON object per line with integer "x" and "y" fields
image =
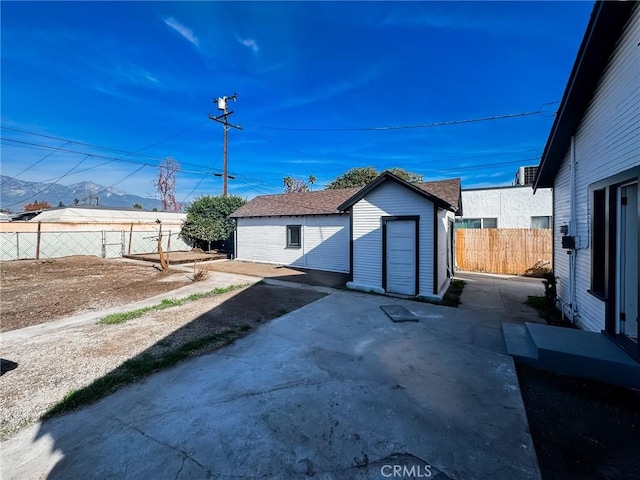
{"x": 390, "y": 176}
{"x": 603, "y": 31}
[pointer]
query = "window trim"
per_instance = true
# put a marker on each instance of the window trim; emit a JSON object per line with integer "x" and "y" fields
{"x": 289, "y": 243}
{"x": 599, "y": 242}
{"x": 482, "y": 221}
{"x": 549, "y": 222}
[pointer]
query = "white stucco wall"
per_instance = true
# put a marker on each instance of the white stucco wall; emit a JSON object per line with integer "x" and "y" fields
{"x": 324, "y": 241}
{"x": 512, "y": 206}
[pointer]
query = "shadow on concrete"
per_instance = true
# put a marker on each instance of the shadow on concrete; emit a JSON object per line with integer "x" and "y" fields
{"x": 7, "y": 366}
{"x": 220, "y": 326}
{"x": 319, "y": 278}
{"x": 287, "y": 273}
{"x": 333, "y": 390}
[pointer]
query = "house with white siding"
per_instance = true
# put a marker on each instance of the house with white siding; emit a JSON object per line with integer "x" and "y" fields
{"x": 592, "y": 162}
{"x": 391, "y": 236}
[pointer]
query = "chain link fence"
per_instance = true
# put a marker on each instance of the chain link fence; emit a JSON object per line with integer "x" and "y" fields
{"x": 101, "y": 243}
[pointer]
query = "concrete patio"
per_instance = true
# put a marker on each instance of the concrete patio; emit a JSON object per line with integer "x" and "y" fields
{"x": 333, "y": 390}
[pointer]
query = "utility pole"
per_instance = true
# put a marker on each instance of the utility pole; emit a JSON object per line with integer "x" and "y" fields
{"x": 224, "y": 120}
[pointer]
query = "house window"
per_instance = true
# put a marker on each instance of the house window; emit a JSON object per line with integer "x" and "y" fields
{"x": 476, "y": 223}
{"x": 598, "y": 242}
{"x": 541, "y": 222}
{"x": 293, "y": 236}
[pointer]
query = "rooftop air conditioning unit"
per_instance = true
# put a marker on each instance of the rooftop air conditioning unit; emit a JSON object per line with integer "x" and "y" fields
{"x": 526, "y": 175}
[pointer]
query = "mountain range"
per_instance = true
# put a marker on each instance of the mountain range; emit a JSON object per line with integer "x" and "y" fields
{"x": 14, "y": 194}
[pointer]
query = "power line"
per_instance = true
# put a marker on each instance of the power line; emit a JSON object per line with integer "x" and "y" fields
{"x": 35, "y": 163}
{"x": 50, "y": 185}
{"x": 110, "y": 148}
{"x": 120, "y": 181}
{"x": 125, "y": 152}
{"x": 211, "y": 165}
{"x": 115, "y": 159}
{"x": 404, "y": 127}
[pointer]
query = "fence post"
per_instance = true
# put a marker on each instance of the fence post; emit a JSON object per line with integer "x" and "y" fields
{"x": 168, "y": 247}
{"x": 104, "y": 244}
{"x": 122, "y": 240}
{"x": 130, "y": 237}
{"x": 17, "y": 245}
{"x": 38, "y": 241}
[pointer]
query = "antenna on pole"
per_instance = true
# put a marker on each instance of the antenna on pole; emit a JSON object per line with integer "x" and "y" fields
{"x": 223, "y": 103}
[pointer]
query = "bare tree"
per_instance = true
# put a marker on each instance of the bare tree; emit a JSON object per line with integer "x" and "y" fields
{"x": 165, "y": 183}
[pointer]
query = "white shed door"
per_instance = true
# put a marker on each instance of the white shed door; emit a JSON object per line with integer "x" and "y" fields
{"x": 401, "y": 257}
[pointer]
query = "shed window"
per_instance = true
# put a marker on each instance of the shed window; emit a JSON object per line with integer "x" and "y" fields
{"x": 293, "y": 236}
{"x": 541, "y": 222}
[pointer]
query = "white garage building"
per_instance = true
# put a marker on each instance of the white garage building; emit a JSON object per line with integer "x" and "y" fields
{"x": 390, "y": 236}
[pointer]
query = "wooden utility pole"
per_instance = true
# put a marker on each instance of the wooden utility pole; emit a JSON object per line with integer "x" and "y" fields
{"x": 224, "y": 120}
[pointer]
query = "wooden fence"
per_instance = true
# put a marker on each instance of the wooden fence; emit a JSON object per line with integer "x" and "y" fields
{"x": 510, "y": 251}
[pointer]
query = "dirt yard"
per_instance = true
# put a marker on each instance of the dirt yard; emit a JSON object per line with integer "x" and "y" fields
{"x": 38, "y": 291}
{"x": 47, "y": 367}
{"x": 582, "y": 430}
{"x": 280, "y": 272}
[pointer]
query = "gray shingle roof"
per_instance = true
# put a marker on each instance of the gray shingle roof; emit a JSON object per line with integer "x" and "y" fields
{"x": 447, "y": 190}
{"x": 320, "y": 202}
{"x": 326, "y": 202}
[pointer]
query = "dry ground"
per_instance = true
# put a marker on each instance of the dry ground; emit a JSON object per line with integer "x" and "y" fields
{"x": 38, "y": 291}
{"x": 291, "y": 274}
{"x": 582, "y": 429}
{"x": 49, "y": 366}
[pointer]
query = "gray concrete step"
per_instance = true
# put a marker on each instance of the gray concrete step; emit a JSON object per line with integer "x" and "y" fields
{"x": 519, "y": 343}
{"x": 575, "y": 353}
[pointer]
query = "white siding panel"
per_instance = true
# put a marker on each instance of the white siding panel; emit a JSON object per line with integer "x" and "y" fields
{"x": 387, "y": 200}
{"x": 443, "y": 250}
{"x": 607, "y": 142}
{"x": 561, "y": 216}
{"x": 325, "y": 241}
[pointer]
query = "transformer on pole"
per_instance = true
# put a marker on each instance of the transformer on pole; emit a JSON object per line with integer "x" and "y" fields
{"x": 223, "y": 103}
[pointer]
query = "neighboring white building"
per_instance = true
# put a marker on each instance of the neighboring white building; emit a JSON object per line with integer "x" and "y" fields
{"x": 391, "y": 236}
{"x": 95, "y": 214}
{"x": 592, "y": 161}
{"x": 90, "y": 230}
{"x": 506, "y": 207}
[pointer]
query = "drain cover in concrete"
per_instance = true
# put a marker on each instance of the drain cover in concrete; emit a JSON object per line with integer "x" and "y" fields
{"x": 398, "y": 313}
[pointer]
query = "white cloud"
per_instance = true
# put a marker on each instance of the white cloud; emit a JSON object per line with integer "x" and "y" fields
{"x": 249, "y": 43}
{"x": 182, "y": 30}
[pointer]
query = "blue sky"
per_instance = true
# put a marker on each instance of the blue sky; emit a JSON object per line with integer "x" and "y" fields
{"x": 140, "y": 77}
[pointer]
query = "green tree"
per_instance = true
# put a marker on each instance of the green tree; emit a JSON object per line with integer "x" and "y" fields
{"x": 207, "y": 219}
{"x": 137, "y": 206}
{"x": 405, "y": 175}
{"x": 361, "y": 176}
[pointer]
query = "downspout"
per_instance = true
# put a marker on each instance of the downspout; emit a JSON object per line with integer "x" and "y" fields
{"x": 573, "y": 232}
